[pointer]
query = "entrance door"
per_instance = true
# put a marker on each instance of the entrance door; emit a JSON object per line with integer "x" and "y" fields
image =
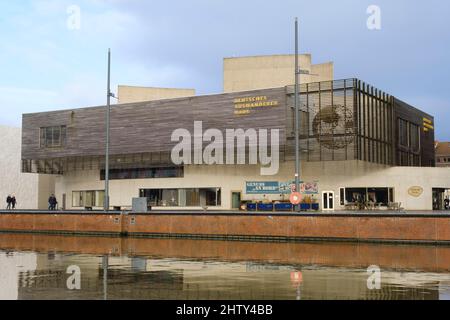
{"x": 438, "y": 199}
{"x": 235, "y": 200}
{"x": 328, "y": 201}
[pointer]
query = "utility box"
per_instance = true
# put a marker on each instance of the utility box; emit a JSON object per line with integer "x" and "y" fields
{"x": 140, "y": 205}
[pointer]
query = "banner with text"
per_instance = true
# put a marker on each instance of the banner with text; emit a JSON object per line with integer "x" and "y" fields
{"x": 275, "y": 187}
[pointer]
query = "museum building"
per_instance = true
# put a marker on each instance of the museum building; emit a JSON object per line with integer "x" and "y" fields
{"x": 358, "y": 145}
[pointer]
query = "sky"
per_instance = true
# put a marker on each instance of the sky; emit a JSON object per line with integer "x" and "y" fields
{"x": 51, "y": 60}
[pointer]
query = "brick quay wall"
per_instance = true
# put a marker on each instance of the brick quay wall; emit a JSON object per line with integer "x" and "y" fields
{"x": 364, "y": 227}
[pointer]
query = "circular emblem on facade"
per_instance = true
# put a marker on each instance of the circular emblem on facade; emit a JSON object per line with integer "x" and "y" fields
{"x": 334, "y": 127}
{"x": 415, "y": 191}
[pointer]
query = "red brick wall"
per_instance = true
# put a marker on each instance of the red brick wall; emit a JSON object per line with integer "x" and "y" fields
{"x": 343, "y": 227}
{"x": 60, "y": 223}
{"x": 414, "y": 228}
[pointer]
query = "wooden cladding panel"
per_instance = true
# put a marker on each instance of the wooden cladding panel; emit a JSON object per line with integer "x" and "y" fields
{"x": 147, "y": 127}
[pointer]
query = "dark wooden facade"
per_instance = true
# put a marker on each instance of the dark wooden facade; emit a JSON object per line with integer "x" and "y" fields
{"x": 340, "y": 120}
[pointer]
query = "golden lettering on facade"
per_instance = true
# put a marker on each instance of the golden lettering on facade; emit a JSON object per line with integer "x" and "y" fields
{"x": 244, "y": 105}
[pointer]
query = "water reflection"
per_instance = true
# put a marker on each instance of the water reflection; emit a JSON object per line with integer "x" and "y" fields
{"x": 36, "y": 267}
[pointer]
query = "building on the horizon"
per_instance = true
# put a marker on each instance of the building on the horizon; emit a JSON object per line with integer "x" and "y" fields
{"x": 241, "y": 74}
{"x": 357, "y": 143}
{"x": 442, "y": 154}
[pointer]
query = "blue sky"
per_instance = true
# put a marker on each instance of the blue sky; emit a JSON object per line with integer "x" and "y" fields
{"x": 45, "y": 66}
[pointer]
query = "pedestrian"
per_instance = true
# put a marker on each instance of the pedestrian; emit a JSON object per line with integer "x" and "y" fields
{"x": 52, "y": 202}
{"x": 447, "y": 203}
{"x": 8, "y": 201}
{"x": 13, "y": 202}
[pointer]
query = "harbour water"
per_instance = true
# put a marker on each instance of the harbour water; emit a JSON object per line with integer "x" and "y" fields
{"x": 56, "y": 267}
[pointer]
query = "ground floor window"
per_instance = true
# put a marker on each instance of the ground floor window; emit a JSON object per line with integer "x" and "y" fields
{"x": 81, "y": 199}
{"x": 441, "y": 199}
{"x": 381, "y": 196}
{"x": 144, "y": 173}
{"x": 189, "y": 197}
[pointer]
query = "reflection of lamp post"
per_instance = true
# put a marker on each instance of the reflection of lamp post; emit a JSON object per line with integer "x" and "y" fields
{"x": 105, "y": 277}
{"x": 297, "y": 280}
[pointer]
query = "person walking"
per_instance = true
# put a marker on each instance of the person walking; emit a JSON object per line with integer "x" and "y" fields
{"x": 8, "y": 201}
{"x": 13, "y": 202}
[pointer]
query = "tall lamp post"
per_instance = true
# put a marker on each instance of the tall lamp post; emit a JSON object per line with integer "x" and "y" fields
{"x": 297, "y": 113}
{"x": 108, "y": 113}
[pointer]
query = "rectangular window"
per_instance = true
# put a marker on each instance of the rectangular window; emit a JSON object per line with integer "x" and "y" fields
{"x": 380, "y": 196}
{"x": 192, "y": 197}
{"x": 403, "y": 132}
{"x": 414, "y": 140}
{"x": 82, "y": 199}
{"x": 53, "y": 137}
{"x": 144, "y": 173}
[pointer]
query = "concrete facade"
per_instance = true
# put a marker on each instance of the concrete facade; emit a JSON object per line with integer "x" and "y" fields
{"x": 130, "y": 94}
{"x": 31, "y": 190}
{"x": 331, "y": 176}
{"x": 262, "y": 72}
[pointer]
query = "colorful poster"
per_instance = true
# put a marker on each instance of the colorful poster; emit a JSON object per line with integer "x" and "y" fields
{"x": 273, "y": 187}
{"x": 309, "y": 187}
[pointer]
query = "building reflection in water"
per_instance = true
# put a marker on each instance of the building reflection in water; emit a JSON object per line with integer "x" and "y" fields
{"x": 35, "y": 267}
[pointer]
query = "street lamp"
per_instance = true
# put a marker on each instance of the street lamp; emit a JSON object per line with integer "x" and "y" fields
{"x": 108, "y": 114}
{"x": 297, "y": 113}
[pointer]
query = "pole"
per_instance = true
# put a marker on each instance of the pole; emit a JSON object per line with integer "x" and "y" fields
{"x": 297, "y": 113}
{"x": 108, "y": 114}
{"x": 105, "y": 263}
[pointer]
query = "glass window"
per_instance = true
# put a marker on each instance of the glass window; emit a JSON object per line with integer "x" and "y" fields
{"x": 144, "y": 173}
{"x": 354, "y": 195}
{"x": 211, "y": 196}
{"x": 375, "y": 195}
{"x": 414, "y": 137}
{"x": 53, "y": 137}
{"x": 192, "y": 198}
{"x": 76, "y": 199}
{"x": 82, "y": 199}
{"x": 189, "y": 197}
{"x": 403, "y": 132}
{"x": 342, "y": 196}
